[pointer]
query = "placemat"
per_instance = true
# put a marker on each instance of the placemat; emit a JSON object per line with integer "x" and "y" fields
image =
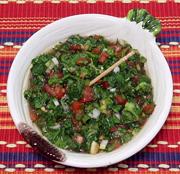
{"x": 19, "y": 19}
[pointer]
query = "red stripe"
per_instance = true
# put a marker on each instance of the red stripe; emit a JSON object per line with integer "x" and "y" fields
{"x": 55, "y": 10}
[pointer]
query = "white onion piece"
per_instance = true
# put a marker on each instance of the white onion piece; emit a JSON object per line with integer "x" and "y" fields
{"x": 116, "y": 69}
{"x": 95, "y": 113}
{"x": 56, "y": 103}
{"x": 112, "y": 89}
{"x": 117, "y": 115}
{"x": 55, "y": 61}
{"x": 103, "y": 144}
{"x": 56, "y": 126}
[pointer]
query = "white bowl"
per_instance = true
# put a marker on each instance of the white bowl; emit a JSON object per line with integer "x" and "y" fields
{"x": 112, "y": 28}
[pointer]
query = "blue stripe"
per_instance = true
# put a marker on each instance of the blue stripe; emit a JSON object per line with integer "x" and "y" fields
{"x": 142, "y": 156}
{"x": 173, "y": 61}
{"x": 4, "y": 67}
{"x": 5, "y": 61}
{"x": 168, "y": 39}
{"x": 31, "y": 32}
{"x": 4, "y": 73}
{"x": 21, "y": 40}
{"x": 14, "y": 40}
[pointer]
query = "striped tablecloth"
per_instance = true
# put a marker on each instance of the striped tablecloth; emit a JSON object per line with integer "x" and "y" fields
{"x": 19, "y": 19}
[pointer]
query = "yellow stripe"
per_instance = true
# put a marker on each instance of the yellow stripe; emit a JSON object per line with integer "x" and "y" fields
{"x": 4, "y": 109}
{"x": 175, "y": 109}
{"x": 3, "y": 84}
{"x": 176, "y": 99}
{"x": 6, "y": 119}
{"x": 173, "y": 119}
{"x": 171, "y": 127}
{"x": 7, "y": 127}
{"x": 3, "y": 99}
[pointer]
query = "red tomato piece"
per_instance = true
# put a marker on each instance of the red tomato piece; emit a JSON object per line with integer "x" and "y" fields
{"x": 75, "y": 47}
{"x": 105, "y": 84}
{"x": 148, "y": 108}
{"x": 120, "y": 100}
{"x": 57, "y": 91}
{"x": 83, "y": 61}
{"x": 103, "y": 57}
{"x": 33, "y": 115}
{"x": 88, "y": 95}
{"x": 113, "y": 129}
{"x": 77, "y": 107}
{"x": 96, "y": 50}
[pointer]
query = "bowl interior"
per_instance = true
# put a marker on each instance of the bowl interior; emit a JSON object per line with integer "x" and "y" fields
{"x": 112, "y": 28}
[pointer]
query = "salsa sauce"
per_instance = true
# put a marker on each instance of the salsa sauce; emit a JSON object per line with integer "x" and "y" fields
{"x": 77, "y": 117}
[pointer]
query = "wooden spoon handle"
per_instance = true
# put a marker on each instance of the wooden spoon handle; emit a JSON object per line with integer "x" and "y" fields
{"x": 107, "y": 71}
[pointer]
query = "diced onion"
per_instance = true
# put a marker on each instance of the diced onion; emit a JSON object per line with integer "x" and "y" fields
{"x": 43, "y": 109}
{"x": 95, "y": 113}
{"x": 50, "y": 67}
{"x": 55, "y": 61}
{"x": 117, "y": 115}
{"x": 112, "y": 89}
{"x": 55, "y": 101}
{"x": 56, "y": 126}
{"x": 116, "y": 69}
{"x": 94, "y": 148}
{"x": 103, "y": 144}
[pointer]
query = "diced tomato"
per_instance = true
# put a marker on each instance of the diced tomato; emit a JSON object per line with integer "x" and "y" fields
{"x": 103, "y": 56}
{"x": 96, "y": 50}
{"x": 79, "y": 139}
{"x": 113, "y": 129}
{"x": 33, "y": 115}
{"x": 148, "y": 108}
{"x": 75, "y": 47}
{"x": 83, "y": 61}
{"x": 105, "y": 84}
{"x": 57, "y": 91}
{"x": 88, "y": 95}
{"x": 120, "y": 100}
{"x": 59, "y": 74}
{"x": 77, "y": 107}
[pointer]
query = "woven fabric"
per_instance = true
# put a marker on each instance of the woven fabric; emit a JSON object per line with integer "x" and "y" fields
{"x": 19, "y": 19}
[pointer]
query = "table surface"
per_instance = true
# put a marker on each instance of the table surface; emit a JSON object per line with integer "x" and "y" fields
{"x": 19, "y": 19}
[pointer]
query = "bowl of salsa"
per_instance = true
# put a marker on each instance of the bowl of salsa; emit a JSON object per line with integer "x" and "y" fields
{"x": 49, "y": 88}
